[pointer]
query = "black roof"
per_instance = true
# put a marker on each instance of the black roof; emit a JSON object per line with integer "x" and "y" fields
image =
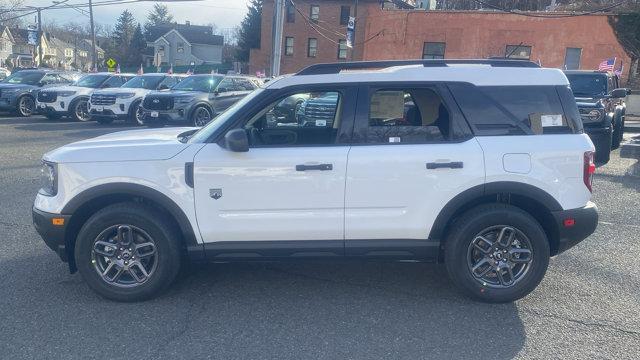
{"x": 195, "y": 34}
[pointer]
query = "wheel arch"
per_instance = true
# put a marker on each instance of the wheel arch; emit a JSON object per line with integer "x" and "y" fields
{"x": 85, "y": 204}
{"x": 535, "y": 201}
{"x": 201, "y": 104}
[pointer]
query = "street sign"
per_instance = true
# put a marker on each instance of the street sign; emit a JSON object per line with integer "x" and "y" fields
{"x": 111, "y": 63}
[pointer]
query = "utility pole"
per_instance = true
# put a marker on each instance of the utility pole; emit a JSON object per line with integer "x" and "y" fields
{"x": 94, "y": 57}
{"x": 276, "y": 42}
{"x": 39, "y": 38}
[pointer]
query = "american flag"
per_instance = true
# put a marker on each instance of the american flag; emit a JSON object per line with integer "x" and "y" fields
{"x": 607, "y": 65}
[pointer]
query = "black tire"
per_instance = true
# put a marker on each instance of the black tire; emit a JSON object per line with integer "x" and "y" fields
{"x": 135, "y": 114}
{"x": 25, "y": 106}
{"x": 104, "y": 121}
{"x": 152, "y": 222}
{"x": 603, "y": 150}
{"x": 78, "y": 110}
{"x": 198, "y": 116}
{"x": 466, "y": 228}
{"x": 618, "y": 131}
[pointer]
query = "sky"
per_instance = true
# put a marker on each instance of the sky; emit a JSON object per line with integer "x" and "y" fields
{"x": 223, "y": 13}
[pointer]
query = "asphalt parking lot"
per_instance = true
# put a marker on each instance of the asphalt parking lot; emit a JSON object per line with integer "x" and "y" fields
{"x": 588, "y": 306}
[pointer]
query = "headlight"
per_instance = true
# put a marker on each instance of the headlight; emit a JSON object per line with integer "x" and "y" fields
{"x": 49, "y": 179}
{"x": 125, "y": 95}
{"x": 66, "y": 93}
{"x": 183, "y": 99}
{"x": 594, "y": 115}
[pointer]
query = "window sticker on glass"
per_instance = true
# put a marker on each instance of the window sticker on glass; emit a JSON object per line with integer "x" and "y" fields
{"x": 551, "y": 120}
{"x": 387, "y": 105}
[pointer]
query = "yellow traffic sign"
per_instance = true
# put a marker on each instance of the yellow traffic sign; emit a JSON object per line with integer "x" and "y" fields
{"x": 111, "y": 63}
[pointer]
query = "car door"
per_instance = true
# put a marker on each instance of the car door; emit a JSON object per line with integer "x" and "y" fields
{"x": 288, "y": 186}
{"x": 224, "y": 95}
{"x": 412, "y": 154}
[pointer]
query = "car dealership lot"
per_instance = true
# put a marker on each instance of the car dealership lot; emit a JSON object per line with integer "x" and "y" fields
{"x": 588, "y": 305}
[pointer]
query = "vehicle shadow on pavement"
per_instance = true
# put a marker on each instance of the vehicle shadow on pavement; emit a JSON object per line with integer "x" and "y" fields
{"x": 626, "y": 180}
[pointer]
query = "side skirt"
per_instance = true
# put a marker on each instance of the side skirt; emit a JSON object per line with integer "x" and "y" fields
{"x": 389, "y": 249}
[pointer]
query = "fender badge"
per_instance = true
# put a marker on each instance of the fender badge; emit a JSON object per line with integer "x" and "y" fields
{"x": 215, "y": 193}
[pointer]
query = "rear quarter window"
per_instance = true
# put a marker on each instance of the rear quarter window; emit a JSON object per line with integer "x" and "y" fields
{"x": 514, "y": 110}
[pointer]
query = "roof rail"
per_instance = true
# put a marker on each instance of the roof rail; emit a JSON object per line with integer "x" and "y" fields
{"x": 335, "y": 68}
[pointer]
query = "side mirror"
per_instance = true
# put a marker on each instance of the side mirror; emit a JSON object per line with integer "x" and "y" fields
{"x": 618, "y": 93}
{"x": 163, "y": 87}
{"x": 221, "y": 90}
{"x": 236, "y": 140}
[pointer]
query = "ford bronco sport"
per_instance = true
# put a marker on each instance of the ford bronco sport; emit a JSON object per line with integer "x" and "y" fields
{"x": 480, "y": 164}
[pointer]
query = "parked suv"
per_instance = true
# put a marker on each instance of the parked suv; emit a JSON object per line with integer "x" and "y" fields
{"x": 123, "y": 103}
{"x": 421, "y": 161}
{"x": 602, "y": 108}
{"x": 72, "y": 100}
{"x": 19, "y": 90}
{"x": 195, "y": 100}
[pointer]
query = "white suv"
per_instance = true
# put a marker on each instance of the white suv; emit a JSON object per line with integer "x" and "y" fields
{"x": 71, "y": 100}
{"x": 123, "y": 103}
{"x": 482, "y": 165}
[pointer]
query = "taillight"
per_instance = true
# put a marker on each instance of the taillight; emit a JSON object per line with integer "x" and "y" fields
{"x": 589, "y": 170}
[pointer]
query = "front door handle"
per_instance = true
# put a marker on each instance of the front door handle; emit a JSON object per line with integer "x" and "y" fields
{"x": 451, "y": 165}
{"x": 320, "y": 167}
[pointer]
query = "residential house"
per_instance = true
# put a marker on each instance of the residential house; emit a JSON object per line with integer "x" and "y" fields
{"x": 184, "y": 44}
{"x": 6, "y": 45}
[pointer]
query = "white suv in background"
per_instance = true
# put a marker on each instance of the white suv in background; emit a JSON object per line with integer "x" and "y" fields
{"x": 480, "y": 164}
{"x": 71, "y": 100}
{"x": 123, "y": 103}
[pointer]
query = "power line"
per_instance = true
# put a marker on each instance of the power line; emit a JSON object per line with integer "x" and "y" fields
{"x": 550, "y": 16}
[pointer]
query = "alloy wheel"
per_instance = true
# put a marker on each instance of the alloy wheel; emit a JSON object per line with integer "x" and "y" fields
{"x": 124, "y": 256}
{"x": 201, "y": 117}
{"x": 499, "y": 256}
{"x": 139, "y": 115}
{"x": 82, "y": 110}
{"x": 26, "y": 106}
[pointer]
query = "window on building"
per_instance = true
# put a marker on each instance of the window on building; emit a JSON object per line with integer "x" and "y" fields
{"x": 180, "y": 47}
{"x": 572, "y": 58}
{"x": 413, "y": 115}
{"x": 312, "y": 47}
{"x": 288, "y": 46}
{"x": 518, "y": 52}
{"x": 291, "y": 12}
{"x": 345, "y": 12}
{"x": 342, "y": 49}
{"x": 314, "y": 13}
{"x": 68, "y": 52}
{"x": 433, "y": 50}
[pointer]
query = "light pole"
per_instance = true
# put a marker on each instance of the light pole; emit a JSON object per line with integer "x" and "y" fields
{"x": 94, "y": 56}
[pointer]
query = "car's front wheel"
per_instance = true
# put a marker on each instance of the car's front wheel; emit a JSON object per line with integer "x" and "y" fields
{"x": 26, "y": 105}
{"x": 201, "y": 116}
{"x": 128, "y": 252}
{"x": 136, "y": 115}
{"x": 496, "y": 253}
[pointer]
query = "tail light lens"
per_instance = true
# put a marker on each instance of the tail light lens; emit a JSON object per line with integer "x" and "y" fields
{"x": 589, "y": 169}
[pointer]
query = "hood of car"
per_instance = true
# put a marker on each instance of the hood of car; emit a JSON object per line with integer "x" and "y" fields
{"x": 172, "y": 93}
{"x": 113, "y": 91}
{"x": 589, "y": 103}
{"x": 132, "y": 145}
{"x": 77, "y": 89}
{"x": 17, "y": 86}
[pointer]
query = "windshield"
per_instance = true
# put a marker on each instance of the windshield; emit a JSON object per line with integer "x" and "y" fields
{"x": 588, "y": 85}
{"x": 198, "y": 83}
{"x": 203, "y": 134}
{"x": 144, "y": 82}
{"x": 24, "y": 77}
{"x": 91, "y": 81}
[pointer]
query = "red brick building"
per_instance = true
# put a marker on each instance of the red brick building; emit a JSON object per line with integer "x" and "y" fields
{"x": 579, "y": 42}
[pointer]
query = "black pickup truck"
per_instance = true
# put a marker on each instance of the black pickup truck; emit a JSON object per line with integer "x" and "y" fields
{"x": 602, "y": 108}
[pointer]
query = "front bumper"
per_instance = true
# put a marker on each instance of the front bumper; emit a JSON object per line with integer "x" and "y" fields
{"x": 585, "y": 221}
{"x": 53, "y": 235}
{"x": 180, "y": 115}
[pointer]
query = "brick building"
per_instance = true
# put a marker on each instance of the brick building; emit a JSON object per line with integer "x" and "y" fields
{"x": 579, "y": 42}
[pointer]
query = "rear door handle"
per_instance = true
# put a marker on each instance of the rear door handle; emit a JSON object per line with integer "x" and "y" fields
{"x": 320, "y": 167}
{"x": 451, "y": 165}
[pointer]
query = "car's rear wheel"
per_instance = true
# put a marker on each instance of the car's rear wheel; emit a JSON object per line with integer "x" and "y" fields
{"x": 79, "y": 110}
{"x": 201, "y": 116}
{"x": 496, "y": 253}
{"x": 128, "y": 252}
{"x": 618, "y": 131}
{"x": 26, "y": 105}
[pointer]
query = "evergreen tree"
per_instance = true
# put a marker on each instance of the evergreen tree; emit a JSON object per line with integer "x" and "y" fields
{"x": 122, "y": 35}
{"x": 158, "y": 16}
{"x": 136, "y": 47}
{"x": 249, "y": 32}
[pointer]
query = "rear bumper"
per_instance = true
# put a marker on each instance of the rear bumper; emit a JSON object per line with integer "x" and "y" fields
{"x": 585, "y": 221}
{"x": 53, "y": 235}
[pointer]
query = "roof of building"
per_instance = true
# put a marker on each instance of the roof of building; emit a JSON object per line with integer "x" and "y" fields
{"x": 477, "y": 72}
{"x": 20, "y": 36}
{"x": 194, "y": 34}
